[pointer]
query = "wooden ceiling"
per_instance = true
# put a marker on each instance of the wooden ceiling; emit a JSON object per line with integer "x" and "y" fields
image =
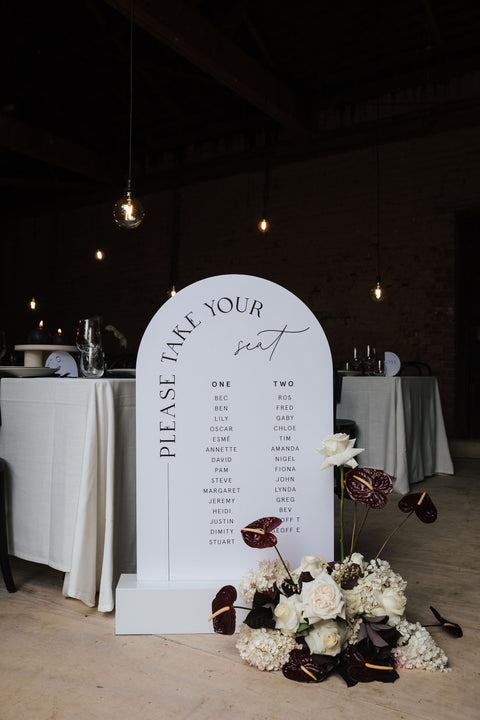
{"x": 246, "y": 77}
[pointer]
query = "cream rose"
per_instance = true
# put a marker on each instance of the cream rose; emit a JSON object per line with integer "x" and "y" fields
{"x": 394, "y": 602}
{"x": 338, "y": 450}
{"x": 354, "y": 602}
{"x": 288, "y": 614}
{"x": 311, "y": 564}
{"x": 327, "y": 637}
{"x": 322, "y": 599}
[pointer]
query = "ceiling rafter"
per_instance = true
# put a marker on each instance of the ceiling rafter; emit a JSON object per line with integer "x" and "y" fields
{"x": 188, "y": 34}
{"x": 19, "y": 137}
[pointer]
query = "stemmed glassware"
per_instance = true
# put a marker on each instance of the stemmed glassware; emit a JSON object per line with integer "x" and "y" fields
{"x": 369, "y": 360}
{"x": 89, "y": 342}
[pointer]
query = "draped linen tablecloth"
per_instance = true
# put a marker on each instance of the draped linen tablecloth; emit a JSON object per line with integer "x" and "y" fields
{"x": 400, "y": 425}
{"x": 69, "y": 444}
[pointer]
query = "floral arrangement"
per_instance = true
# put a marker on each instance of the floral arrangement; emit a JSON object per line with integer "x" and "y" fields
{"x": 345, "y": 616}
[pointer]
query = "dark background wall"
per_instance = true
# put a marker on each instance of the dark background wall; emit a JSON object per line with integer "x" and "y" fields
{"x": 321, "y": 246}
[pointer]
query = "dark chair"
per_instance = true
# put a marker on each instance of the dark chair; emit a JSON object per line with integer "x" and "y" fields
{"x": 4, "y": 559}
{"x": 415, "y": 367}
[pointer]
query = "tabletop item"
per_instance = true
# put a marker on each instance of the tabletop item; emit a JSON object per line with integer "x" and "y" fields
{"x": 34, "y": 354}
{"x": 64, "y": 362}
{"x": 392, "y": 364}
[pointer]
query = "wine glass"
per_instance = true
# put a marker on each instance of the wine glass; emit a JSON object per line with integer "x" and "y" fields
{"x": 369, "y": 360}
{"x": 88, "y": 334}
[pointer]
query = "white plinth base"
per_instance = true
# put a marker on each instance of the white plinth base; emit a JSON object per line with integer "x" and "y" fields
{"x": 165, "y": 608}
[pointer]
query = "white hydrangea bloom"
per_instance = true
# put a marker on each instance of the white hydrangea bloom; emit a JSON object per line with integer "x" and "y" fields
{"x": 268, "y": 573}
{"x": 263, "y": 648}
{"x": 417, "y": 649}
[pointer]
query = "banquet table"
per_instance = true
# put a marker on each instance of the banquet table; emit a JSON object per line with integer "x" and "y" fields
{"x": 69, "y": 445}
{"x": 400, "y": 425}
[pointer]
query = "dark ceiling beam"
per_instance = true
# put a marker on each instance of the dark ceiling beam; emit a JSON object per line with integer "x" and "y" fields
{"x": 443, "y": 117}
{"x": 432, "y": 23}
{"x": 18, "y": 137}
{"x": 188, "y": 34}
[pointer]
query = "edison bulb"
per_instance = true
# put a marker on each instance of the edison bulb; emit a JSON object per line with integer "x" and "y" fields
{"x": 33, "y": 304}
{"x": 128, "y": 211}
{"x": 99, "y": 255}
{"x": 377, "y": 293}
{"x": 263, "y": 225}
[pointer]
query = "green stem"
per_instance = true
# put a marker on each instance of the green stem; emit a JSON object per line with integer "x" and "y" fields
{"x": 342, "y": 500}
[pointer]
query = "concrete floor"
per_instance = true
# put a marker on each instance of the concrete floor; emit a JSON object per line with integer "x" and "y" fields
{"x": 61, "y": 660}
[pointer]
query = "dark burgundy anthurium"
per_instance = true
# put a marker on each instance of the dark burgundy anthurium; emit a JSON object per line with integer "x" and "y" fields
{"x": 301, "y": 668}
{"x": 363, "y": 668}
{"x": 223, "y": 611}
{"x": 368, "y": 486}
{"x": 451, "y": 627}
{"x": 258, "y": 534}
{"x": 421, "y": 504}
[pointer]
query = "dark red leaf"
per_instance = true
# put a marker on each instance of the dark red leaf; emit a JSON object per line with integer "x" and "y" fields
{"x": 225, "y": 622}
{"x": 451, "y": 627}
{"x": 258, "y": 534}
{"x": 301, "y": 668}
{"x": 421, "y": 504}
{"x": 368, "y": 486}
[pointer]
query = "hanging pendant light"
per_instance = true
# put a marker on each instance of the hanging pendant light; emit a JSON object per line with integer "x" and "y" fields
{"x": 128, "y": 212}
{"x": 377, "y": 293}
{"x": 264, "y": 225}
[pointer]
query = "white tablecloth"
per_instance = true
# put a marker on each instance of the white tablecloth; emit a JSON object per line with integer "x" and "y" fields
{"x": 69, "y": 444}
{"x": 400, "y": 425}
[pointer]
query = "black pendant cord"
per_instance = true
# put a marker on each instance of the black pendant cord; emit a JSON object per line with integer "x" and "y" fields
{"x": 377, "y": 167}
{"x": 129, "y": 181}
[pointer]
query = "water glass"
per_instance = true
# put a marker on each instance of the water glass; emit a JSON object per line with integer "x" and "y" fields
{"x": 92, "y": 362}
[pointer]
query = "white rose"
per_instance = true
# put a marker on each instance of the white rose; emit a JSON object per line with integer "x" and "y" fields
{"x": 288, "y": 614}
{"x": 394, "y": 602}
{"x": 311, "y": 564}
{"x": 353, "y": 602}
{"x": 322, "y": 599}
{"x": 326, "y": 638}
{"x": 338, "y": 450}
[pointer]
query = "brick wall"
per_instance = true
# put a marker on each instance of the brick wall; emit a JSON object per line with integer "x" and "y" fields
{"x": 322, "y": 247}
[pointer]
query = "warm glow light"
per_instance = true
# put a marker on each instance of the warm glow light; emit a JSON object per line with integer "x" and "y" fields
{"x": 40, "y": 324}
{"x": 99, "y": 255}
{"x": 173, "y": 291}
{"x": 33, "y": 304}
{"x": 263, "y": 225}
{"x": 128, "y": 212}
{"x": 59, "y": 332}
{"x": 377, "y": 293}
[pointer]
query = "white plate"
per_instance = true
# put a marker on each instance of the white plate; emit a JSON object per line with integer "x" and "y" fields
{"x": 19, "y": 371}
{"x": 131, "y": 372}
